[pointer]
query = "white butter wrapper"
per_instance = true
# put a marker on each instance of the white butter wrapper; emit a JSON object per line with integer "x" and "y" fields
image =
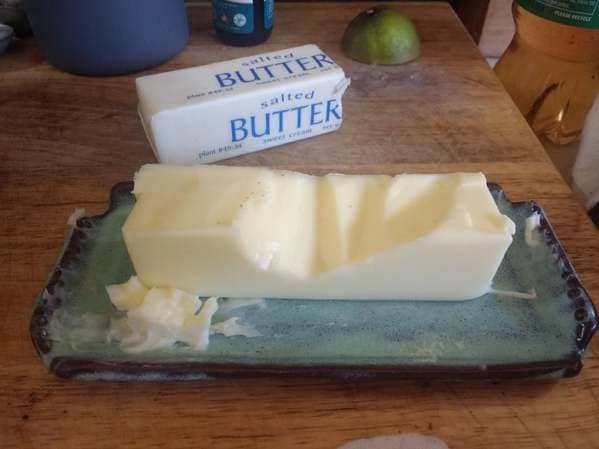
{"x": 218, "y": 111}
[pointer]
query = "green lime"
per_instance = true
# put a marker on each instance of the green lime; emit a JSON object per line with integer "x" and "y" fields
{"x": 381, "y": 35}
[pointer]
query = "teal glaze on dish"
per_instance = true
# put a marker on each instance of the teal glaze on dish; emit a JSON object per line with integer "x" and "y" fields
{"x": 491, "y": 336}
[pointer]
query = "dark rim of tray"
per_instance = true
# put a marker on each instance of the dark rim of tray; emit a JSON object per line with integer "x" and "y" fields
{"x": 51, "y": 299}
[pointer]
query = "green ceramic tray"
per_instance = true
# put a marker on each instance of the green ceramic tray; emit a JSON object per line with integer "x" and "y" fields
{"x": 491, "y": 337}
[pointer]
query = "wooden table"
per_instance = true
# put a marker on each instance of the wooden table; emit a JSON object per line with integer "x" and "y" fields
{"x": 65, "y": 140}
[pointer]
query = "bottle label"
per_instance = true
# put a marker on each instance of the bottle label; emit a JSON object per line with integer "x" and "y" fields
{"x": 269, "y": 12}
{"x": 578, "y": 13}
{"x": 234, "y": 16}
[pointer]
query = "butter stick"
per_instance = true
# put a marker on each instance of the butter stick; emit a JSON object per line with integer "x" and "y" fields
{"x": 244, "y": 232}
{"x": 217, "y": 111}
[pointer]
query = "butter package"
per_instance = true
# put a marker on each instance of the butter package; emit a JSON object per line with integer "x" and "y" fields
{"x": 218, "y": 111}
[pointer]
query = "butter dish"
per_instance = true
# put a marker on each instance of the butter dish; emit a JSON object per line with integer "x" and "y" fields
{"x": 537, "y": 320}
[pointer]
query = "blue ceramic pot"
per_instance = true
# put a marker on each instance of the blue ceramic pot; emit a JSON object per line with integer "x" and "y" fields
{"x": 108, "y": 37}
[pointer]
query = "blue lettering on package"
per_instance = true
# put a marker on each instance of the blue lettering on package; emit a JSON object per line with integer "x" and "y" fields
{"x": 233, "y": 17}
{"x": 269, "y": 13}
{"x": 267, "y": 72}
{"x": 275, "y": 122}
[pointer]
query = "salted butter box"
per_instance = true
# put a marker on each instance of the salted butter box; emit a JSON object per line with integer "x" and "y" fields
{"x": 218, "y": 111}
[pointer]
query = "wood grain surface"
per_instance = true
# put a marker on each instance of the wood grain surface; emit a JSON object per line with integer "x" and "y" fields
{"x": 65, "y": 140}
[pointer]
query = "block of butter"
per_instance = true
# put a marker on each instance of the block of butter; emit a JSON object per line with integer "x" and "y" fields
{"x": 217, "y": 111}
{"x": 257, "y": 232}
